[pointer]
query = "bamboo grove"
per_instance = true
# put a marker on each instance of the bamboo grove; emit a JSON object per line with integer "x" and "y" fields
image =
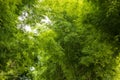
{"x": 59, "y": 40}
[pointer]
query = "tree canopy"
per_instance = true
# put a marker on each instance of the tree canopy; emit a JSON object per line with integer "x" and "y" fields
{"x": 59, "y": 39}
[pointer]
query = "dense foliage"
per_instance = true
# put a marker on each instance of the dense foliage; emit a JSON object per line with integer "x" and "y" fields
{"x": 59, "y": 39}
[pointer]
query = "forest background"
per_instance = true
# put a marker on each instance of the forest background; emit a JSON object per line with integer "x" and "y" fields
{"x": 59, "y": 39}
